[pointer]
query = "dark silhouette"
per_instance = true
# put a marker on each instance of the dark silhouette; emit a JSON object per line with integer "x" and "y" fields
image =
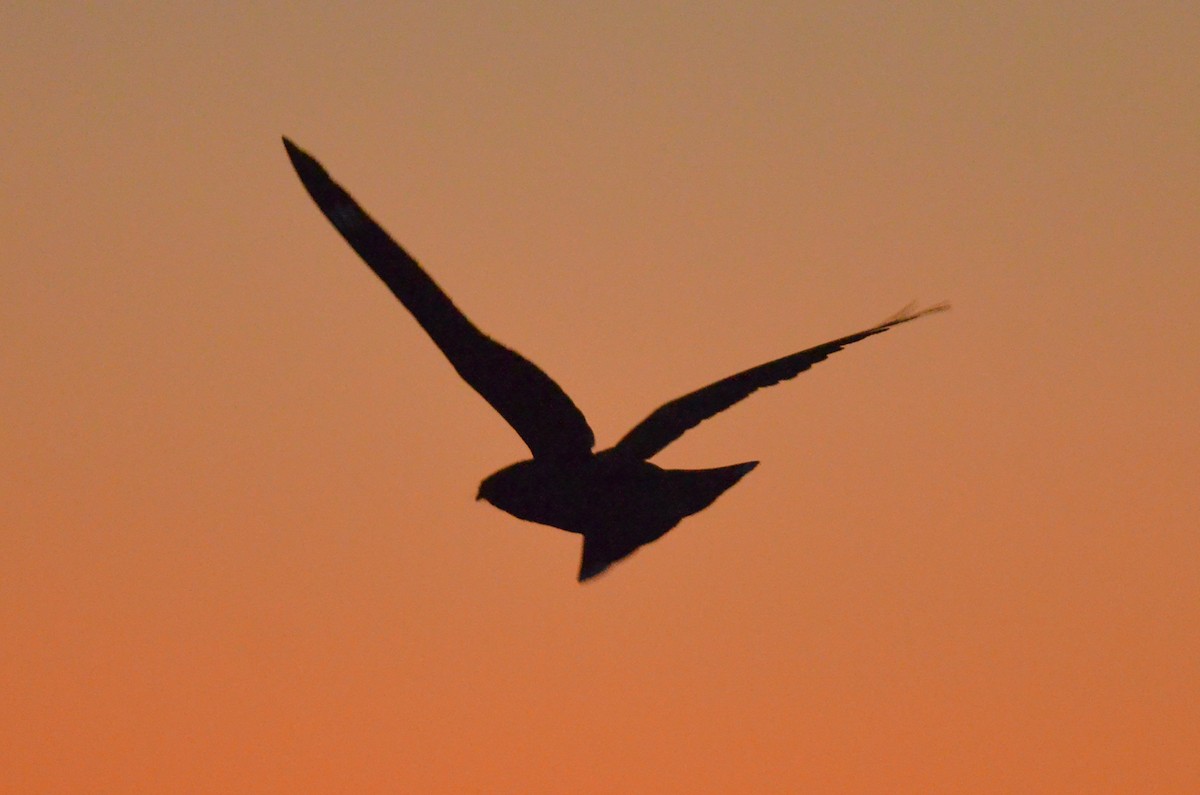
{"x": 616, "y": 499}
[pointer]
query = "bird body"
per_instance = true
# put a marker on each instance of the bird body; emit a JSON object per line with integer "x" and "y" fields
{"x": 616, "y": 503}
{"x": 616, "y": 499}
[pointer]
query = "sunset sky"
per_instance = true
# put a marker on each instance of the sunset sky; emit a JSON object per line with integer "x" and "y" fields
{"x": 239, "y": 546}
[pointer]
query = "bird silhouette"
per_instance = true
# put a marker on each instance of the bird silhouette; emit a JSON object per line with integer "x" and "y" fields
{"x": 616, "y": 499}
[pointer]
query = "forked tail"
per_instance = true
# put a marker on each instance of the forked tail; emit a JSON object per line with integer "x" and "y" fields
{"x": 684, "y": 492}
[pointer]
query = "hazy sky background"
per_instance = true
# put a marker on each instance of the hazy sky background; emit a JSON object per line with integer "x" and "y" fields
{"x": 239, "y": 550}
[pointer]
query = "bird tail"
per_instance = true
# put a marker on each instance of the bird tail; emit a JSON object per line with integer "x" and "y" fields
{"x": 685, "y": 492}
{"x": 693, "y": 490}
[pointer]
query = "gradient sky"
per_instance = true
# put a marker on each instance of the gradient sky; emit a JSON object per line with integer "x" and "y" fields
{"x": 239, "y": 550}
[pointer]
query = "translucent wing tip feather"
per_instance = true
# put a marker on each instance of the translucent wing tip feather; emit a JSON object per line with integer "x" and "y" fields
{"x": 910, "y": 312}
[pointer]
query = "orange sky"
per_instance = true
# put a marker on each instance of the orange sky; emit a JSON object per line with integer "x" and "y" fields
{"x": 239, "y": 550}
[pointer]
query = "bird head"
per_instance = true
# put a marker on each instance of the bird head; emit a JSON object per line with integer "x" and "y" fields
{"x": 497, "y": 486}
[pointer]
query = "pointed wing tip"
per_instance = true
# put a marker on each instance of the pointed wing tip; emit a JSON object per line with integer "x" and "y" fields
{"x": 292, "y": 150}
{"x": 309, "y": 170}
{"x": 910, "y": 312}
{"x": 330, "y": 197}
{"x": 940, "y": 306}
{"x": 300, "y": 160}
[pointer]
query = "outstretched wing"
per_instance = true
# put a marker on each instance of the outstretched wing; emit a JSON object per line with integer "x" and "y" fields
{"x": 532, "y": 403}
{"x": 670, "y": 421}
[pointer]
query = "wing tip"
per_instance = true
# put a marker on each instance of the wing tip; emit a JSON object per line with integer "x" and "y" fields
{"x": 294, "y": 152}
{"x": 910, "y": 312}
{"x": 311, "y": 172}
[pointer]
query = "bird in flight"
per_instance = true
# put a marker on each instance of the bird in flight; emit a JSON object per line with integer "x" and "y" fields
{"x": 616, "y": 499}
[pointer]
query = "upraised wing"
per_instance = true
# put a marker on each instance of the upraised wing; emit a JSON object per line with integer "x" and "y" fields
{"x": 672, "y": 420}
{"x": 528, "y": 399}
